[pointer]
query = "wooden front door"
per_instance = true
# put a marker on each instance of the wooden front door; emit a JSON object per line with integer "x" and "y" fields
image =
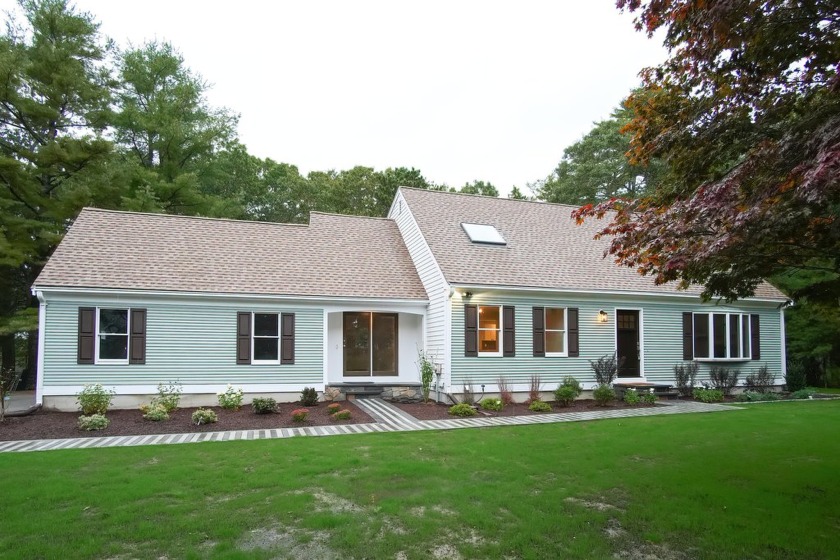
{"x": 628, "y": 347}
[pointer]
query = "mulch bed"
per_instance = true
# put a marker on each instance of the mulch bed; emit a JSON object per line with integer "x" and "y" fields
{"x": 435, "y": 411}
{"x": 53, "y": 425}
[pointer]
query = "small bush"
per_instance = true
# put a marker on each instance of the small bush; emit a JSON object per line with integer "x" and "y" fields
{"x": 169, "y": 396}
{"x": 332, "y": 408}
{"x": 264, "y": 405}
{"x": 155, "y": 412}
{"x": 309, "y": 396}
{"x": 603, "y": 395}
{"x": 649, "y": 397}
{"x": 631, "y": 397}
{"x": 565, "y": 395}
{"x": 342, "y": 415}
{"x": 685, "y": 376}
{"x": 462, "y": 409}
{"x": 795, "y": 378}
{"x": 504, "y": 391}
{"x": 572, "y": 383}
{"x": 93, "y": 422}
{"x": 94, "y": 399}
{"x": 204, "y": 416}
{"x": 803, "y": 394}
{"x": 605, "y": 368}
{"x": 492, "y": 404}
{"x": 231, "y": 398}
{"x": 300, "y": 414}
{"x": 723, "y": 379}
{"x": 761, "y": 381}
{"x": 708, "y": 395}
{"x": 539, "y": 406}
{"x": 534, "y": 388}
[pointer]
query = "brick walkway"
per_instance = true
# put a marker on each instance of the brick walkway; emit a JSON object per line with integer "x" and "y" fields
{"x": 388, "y": 418}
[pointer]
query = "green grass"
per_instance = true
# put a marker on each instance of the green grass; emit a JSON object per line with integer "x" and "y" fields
{"x": 755, "y": 483}
{"x": 827, "y": 390}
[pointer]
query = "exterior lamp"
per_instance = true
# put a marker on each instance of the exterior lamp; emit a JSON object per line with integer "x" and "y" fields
{"x": 602, "y": 316}
{"x": 467, "y": 295}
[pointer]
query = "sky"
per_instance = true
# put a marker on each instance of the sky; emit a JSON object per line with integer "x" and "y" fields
{"x": 460, "y": 90}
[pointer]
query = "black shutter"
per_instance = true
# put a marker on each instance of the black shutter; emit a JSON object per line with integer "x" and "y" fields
{"x": 470, "y": 330}
{"x": 574, "y": 335}
{"x": 243, "y": 338}
{"x": 755, "y": 337}
{"x": 688, "y": 336}
{"x": 87, "y": 322}
{"x": 287, "y": 338}
{"x": 539, "y": 331}
{"x": 509, "y": 331}
{"x": 137, "y": 337}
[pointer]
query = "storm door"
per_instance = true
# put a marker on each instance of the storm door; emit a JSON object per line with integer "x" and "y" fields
{"x": 628, "y": 348}
{"x": 370, "y": 344}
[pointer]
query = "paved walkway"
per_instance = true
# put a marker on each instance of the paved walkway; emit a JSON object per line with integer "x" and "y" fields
{"x": 388, "y": 418}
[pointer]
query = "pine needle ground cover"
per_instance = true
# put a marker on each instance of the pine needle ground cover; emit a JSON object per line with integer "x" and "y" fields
{"x": 755, "y": 483}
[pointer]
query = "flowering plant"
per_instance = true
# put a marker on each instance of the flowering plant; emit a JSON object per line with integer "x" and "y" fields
{"x": 231, "y": 398}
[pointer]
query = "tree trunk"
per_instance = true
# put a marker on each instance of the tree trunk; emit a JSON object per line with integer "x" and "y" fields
{"x": 7, "y": 349}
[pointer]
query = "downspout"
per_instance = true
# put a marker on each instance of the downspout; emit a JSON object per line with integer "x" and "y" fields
{"x": 42, "y": 324}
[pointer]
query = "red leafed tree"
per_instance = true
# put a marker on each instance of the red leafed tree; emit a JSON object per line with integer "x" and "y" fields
{"x": 746, "y": 114}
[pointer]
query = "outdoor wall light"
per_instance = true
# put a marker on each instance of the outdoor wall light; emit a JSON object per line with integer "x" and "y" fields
{"x": 602, "y": 316}
{"x": 467, "y": 295}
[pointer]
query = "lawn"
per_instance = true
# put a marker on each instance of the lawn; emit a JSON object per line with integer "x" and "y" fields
{"x": 760, "y": 482}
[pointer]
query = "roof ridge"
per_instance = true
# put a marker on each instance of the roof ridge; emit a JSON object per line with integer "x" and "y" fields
{"x": 320, "y": 213}
{"x": 181, "y": 216}
{"x": 473, "y": 195}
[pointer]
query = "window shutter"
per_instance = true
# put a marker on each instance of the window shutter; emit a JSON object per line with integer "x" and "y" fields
{"x": 87, "y": 322}
{"x": 539, "y": 331}
{"x": 137, "y": 337}
{"x": 688, "y": 336}
{"x": 509, "y": 328}
{"x": 243, "y": 338}
{"x": 574, "y": 336}
{"x": 755, "y": 337}
{"x": 287, "y": 338}
{"x": 470, "y": 330}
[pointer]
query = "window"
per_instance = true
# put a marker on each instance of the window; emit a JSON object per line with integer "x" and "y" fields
{"x": 266, "y": 340}
{"x": 112, "y": 328}
{"x": 370, "y": 344}
{"x": 722, "y": 336}
{"x": 555, "y": 331}
{"x": 489, "y": 330}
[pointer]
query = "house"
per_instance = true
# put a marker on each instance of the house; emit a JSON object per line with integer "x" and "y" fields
{"x": 486, "y": 287}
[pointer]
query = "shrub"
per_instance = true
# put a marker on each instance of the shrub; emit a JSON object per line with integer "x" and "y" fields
{"x": 492, "y": 404}
{"x": 264, "y": 405}
{"x": 631, "y": 397}
{"x": 427, "y": 373}
{"x": 309, "y": 396}
{"x": 231, "y": 398}
{"x": 462, "y": 409}
{"x": 504, "y": 391}
{"x": 685, "y": 376}
{"x": 300, "y": 414}
{"x": 341, "y": 415}
{"x": 94, "y": 399}
{"x": 723, "y": 379}
{"x": 803, "y": 394}
{"x": 539, "y": 406}
{"x": 204, "y": 416}
{"x": 93, "y": 422}
{"x": 332, "y": 408}
{"x": 155, "y": 412}
{"x": 565, "y": 395}
{"x": 603, "y": 394}
{"x": 169, "y": 396}
{"x": 708, "y": 395}
{"x": 572, "y": 383}
{"x": 795, "y": 378}
{"x": 649, "y": 397}
{"x": 761, "y": 381}
{"x": 605, "y": 368}
{"x": 534, "y": 388}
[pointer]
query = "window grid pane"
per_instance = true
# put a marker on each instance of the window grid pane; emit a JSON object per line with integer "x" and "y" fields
{"x": 265, "y": 348}
{"x": 113, "y": 321}
{"x": 555, "y": 319}
{"x": 555, "y": 342}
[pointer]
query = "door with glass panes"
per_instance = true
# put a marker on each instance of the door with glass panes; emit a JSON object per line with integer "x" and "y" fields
{"x": 370, "y": 344}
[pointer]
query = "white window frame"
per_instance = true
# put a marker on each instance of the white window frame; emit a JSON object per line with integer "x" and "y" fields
{"x": 565, "y": 331}
{"x": 106, "y": 361}
{"x": 254, "y": 336}
{"x": 500, "y": 329}
{"x": 745, "y": 353}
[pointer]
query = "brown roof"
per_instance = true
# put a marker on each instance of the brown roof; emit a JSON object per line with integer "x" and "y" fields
{"x": 545, "y": 248}
{"x": 333, "y": 256}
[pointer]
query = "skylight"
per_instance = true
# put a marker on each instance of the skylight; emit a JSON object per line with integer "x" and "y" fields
{"x": 483, "y": 233}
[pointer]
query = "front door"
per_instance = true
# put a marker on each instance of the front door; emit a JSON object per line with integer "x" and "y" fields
{"x": 628, "y": 351}
{"x": 370, "y": 344}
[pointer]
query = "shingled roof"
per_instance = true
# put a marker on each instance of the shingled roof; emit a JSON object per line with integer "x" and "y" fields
{"x": 545, "y": 247}
{"x": 333, "y": 256}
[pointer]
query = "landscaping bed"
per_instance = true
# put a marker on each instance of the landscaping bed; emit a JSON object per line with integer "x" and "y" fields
{"x": 52, "y": 425}
{"x": 437, "y": 411}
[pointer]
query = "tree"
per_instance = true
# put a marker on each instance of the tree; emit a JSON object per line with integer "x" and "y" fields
{"x": 54, "y": 106}
{"x": 595, "y": 168}
{"x": 746, "y": 113}
{"x": 516, "y": 194}
{"x": 480, "y": 187}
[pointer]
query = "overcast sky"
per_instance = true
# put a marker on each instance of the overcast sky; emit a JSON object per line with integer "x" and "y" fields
{"x": 460, "y": 90}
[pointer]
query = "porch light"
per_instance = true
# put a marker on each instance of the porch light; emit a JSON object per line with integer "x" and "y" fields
{"x": 602, "y": 316}
{"x": 467, "y": 295}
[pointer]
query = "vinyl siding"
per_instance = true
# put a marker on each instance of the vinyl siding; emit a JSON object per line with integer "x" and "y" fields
{"x": 430, "y": 275}
{"x": 190, "y": 341}
{"x": 661, "y": 320}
